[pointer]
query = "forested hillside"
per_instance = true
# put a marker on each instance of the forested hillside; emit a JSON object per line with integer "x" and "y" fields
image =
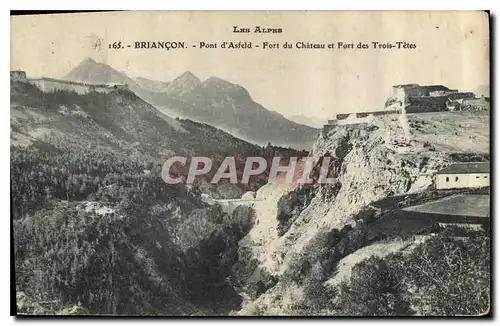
{"x": 107, "y": 238}
{"x": 96, "y": 230}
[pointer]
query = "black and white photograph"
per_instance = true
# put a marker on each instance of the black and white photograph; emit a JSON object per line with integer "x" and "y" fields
{"x": 258, "y": 163}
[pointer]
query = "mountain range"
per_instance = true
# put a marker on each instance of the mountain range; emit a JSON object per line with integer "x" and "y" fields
{"x": 213, "y": 101}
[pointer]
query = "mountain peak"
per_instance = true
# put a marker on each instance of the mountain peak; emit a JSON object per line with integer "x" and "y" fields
{"x": 183, "y": 84}
{"x": 89, "y": 60}
{"x": 218, "y": 80}
{"x": 220, "y": 85}
{"x": 89, "y": 63}
{"x": 187, "y": 78}
{"x": 91, "y": 71}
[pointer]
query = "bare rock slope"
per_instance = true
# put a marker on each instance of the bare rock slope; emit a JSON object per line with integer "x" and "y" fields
{"x": 374, "y": 161}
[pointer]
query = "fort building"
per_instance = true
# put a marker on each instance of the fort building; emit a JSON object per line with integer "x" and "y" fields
{"x": 463, "y": 175}
{"x": 49, "y": 85}
{"x": 119, "y": 86}
{"x": 428, "y": 98}
{"x": 414, "y": 98}
{"x": 18, "y": 75}
{"x": 354, "y": 119}
{"x": 474, "y": 104}
{"x": 414, "y": 90}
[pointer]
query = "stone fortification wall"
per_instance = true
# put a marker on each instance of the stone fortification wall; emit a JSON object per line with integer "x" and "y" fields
{"x": 51, "y": 85}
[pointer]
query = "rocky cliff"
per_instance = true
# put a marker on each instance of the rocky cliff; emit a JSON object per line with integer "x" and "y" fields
{"x": 372, "y": 162}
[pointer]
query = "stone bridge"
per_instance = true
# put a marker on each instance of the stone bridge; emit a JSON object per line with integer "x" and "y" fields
{"x": 229, "y": 205}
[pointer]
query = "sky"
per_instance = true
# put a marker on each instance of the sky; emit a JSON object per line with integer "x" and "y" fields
{"x": 452, "y": 49}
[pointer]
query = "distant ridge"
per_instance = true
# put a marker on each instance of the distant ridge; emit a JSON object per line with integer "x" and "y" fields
{"x": 214, "y": 101}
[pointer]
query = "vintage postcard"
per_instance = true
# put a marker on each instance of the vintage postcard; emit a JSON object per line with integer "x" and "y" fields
{"x": 251, "y": 163}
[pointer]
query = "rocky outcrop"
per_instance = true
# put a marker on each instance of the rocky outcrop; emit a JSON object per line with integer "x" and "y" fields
{"x": 370, "y": 165}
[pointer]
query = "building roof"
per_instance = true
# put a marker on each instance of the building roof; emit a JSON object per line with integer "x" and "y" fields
{"x": 433, "y": 88}
{"x": 460, "y": 95}
{"x": 428, "y": 88}
{"x": 406, "y": 85}
{"x": 463, "y": 168}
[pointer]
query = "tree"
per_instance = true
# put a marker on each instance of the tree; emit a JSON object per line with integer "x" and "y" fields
{"x": 449, "y": 276}
{"x": 373, "y": 290}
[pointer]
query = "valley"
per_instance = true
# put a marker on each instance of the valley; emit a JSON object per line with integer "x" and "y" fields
{"x": 97, "y": 231}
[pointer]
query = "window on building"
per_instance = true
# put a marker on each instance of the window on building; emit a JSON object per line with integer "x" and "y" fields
{"x": 456, "y": 179}
{"x": 447, "y": 179}
{"x": 478, "y": 177}
{"x": 485, "y": 176}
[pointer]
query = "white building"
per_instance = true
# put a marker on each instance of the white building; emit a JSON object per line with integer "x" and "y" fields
{"x": 464, "y": 175}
